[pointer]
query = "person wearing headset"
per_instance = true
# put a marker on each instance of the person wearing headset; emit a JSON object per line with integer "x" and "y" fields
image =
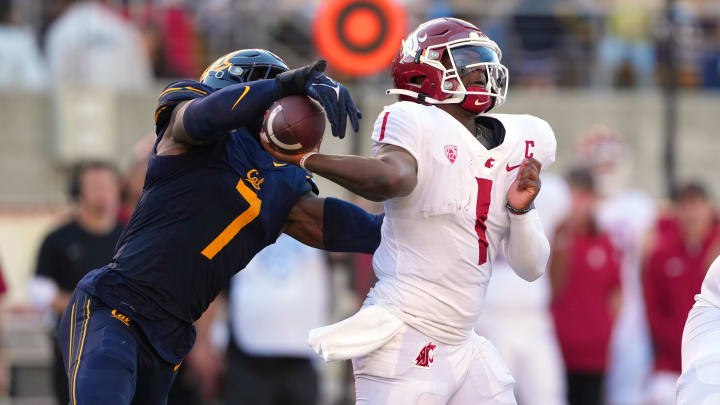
{"x": 83, "y": 242}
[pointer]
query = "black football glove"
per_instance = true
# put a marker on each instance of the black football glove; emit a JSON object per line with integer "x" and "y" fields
{"x": 333, "y": 96}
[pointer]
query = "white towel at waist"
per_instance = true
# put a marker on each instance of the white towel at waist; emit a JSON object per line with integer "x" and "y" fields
{"x": 367, "y": 330}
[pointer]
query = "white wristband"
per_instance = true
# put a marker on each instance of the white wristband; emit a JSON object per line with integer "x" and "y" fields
{"x": 304, "y": 158}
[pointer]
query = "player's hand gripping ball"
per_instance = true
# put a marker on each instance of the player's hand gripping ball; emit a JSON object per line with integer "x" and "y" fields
{"x": 294, "y": 125}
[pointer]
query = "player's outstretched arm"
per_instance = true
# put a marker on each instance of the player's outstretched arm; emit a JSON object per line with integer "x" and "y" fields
{"x": 334, "y": 225}
{"x": 526, "y": 246}
{"x": 391, "y": 173}
{"x": 205, "y": 119}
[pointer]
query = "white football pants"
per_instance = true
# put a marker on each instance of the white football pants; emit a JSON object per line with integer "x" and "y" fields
{"x": 699, "y": 383}
{"x": 528, "y": 345}
{"x": 413, "y": 369}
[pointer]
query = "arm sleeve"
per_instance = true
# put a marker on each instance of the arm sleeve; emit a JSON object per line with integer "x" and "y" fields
{"x": 215, "y": 113}
{"x": 232, "y": 107}
{"x": 526, "y": 247}
{"x": 399, "y": 127}
{"x": 174, "y": 94}
{"x": 349, "y": 228}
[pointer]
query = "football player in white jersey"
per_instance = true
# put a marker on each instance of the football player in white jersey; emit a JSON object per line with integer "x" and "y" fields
{"x": 458, "y": 186}
{"x": 699, "y": 383}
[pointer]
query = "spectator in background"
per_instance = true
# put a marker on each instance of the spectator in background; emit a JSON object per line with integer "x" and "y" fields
{"x": 627, "y": 215}
{"x": 628, "y": 39}
{"x": 585, "y": 279}
{"x": 91, "y": 45}
{"x": 540, "y": 35}
{"x": 273, "y": 303}
{"x": 21, "y": 66}
{"x": 134, "y": 178}
{"x": 3, "y": 371}
{"x": 684, "y": 245}
{"x": 180, "y": 51}
{"x": 515, "y": 309}
{"x": 84, "y": 243}
{"x": 710, "y": 56}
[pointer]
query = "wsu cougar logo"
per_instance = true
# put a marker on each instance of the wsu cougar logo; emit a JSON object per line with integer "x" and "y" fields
{"x": 451, "y": 153}
{"x": 423, "y": 359}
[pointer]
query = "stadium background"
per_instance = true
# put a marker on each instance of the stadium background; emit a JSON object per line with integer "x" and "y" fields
{"x": 551, "y": 47}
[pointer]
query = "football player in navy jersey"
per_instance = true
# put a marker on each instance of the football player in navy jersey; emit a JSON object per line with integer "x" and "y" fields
{"x": 212, "y": 199}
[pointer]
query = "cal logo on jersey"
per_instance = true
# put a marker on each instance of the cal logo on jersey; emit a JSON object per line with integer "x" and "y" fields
{"x": 253, "y": 179}
{"x": 122, "y": 318}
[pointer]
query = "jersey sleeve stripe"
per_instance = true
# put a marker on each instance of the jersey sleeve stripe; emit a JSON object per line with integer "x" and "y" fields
{"x": 157, "y": 113}
{"x": 82, "y": 344}
{"x": 382, "y": 130}
{"x": 70, "y": 349}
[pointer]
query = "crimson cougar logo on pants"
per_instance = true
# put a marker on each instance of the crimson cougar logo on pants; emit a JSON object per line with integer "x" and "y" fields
{"x": 423, "y": 359}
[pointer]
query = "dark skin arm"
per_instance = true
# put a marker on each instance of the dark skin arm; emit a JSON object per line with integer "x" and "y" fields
{"x": 391, "y": 173}
{"x": 305, "y": 221}
{"x": 175, "y": 140}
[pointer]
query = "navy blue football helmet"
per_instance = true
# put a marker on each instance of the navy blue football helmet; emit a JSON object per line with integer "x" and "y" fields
{"x": 245, "y": 65}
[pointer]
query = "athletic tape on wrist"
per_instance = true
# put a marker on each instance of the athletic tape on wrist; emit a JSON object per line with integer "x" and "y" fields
{"x": 304, "y": 158}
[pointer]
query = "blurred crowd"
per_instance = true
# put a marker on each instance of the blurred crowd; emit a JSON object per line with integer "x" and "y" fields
{"x": 572, "y": 43}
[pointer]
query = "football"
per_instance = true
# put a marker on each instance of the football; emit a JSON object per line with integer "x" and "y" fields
{"x": 294, "y": 124}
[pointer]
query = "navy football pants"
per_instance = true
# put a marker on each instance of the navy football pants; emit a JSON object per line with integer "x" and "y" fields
{"x": 108, "y": 359}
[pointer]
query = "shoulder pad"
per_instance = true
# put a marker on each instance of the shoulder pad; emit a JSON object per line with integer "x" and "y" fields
{"x": 174, "y": 94}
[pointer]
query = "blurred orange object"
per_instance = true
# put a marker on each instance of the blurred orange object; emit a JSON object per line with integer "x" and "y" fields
{"x": 359, "y": 37}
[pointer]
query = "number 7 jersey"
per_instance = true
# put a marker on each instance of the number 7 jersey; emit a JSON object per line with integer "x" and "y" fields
{"x": 438, "y": 243}
{"x": 201, "y": 218}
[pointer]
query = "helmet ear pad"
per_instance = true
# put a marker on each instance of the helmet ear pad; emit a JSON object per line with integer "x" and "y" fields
{"x": 477, "y": 103}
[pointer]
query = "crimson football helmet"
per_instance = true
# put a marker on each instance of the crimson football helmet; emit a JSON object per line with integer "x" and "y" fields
{"x": 420, "y": 73}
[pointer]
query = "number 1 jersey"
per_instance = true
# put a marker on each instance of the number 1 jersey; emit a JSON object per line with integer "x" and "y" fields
{"x": 438, "y": 243}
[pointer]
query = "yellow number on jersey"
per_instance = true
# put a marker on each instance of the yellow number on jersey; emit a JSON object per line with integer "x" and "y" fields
{"x": 238, "y": 223}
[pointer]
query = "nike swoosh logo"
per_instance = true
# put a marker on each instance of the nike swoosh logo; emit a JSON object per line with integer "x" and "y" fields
{"x": 484, "y": 102}
{"x": 336, "y": 88}
{"x": 511, "y": 168}
{"x": 247, "y": 88}
{"x": 276, "y": 164}
{"x": 422, "y": 39}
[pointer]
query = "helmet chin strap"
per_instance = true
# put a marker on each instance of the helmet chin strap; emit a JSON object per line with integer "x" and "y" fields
{"x": 422, "y": 98}
{"x": 476, "y": 103}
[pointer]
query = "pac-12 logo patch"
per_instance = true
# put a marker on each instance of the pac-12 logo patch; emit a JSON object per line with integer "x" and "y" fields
{"x": 451, "y": 153}
{"x": 424, "y": 359}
